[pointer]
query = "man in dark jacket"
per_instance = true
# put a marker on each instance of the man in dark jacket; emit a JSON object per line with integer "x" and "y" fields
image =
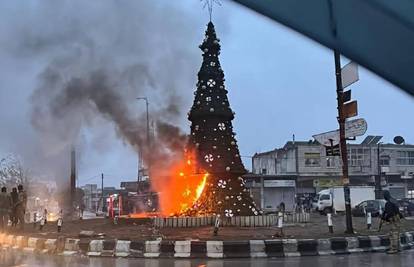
{"x": 392, "y": 216}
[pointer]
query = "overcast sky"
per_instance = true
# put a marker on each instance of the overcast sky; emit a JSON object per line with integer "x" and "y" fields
{"x": 280, "y": 83}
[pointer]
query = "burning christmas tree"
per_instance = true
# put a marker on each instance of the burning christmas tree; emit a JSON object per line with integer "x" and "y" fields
{"x": 212, "y": 141}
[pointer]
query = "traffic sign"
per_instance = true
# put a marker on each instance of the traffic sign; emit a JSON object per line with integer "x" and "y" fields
{"x": 333, "y": 150}
{"x": 349, "y": 74}
{"x": 353, "y": 128}
{"x": 350, "y": 109}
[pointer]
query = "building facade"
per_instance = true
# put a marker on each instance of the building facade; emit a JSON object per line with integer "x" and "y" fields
{"x": 306, "y": 166}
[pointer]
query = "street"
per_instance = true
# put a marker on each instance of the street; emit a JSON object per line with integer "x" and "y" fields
{"x": 406, "y": 258}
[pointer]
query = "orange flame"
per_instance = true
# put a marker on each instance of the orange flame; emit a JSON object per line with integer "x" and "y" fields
{"x": 182, "y": 188}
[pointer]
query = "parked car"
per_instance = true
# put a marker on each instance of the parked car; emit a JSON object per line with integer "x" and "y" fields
{"x": 374, "y": 206}
{"x": 406, "y": 207}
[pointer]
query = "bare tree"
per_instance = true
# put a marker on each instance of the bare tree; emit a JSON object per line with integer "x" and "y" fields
{"x": 12, "y": 172}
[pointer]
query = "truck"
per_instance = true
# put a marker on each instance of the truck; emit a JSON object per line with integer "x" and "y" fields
{"x": 332, "y": 199}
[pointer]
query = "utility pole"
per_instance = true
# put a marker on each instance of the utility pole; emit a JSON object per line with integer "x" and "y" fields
{"x": 378, "y": 186}
{"x": 102, "y": 191}
{"x": 342, "y": 142}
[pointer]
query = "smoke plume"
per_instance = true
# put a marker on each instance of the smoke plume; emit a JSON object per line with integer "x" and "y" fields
{"x": 93, "y": 59}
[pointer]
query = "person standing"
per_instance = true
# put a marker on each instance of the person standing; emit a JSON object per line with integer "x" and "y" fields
{"x": 21, "y": 205}
{"x": 5, "y": 206}
{"x": 14, "y": 197}
{"x": 392, "y": 216}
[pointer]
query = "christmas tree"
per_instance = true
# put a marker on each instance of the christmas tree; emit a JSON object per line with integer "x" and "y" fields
{"x": 213, "y": 142}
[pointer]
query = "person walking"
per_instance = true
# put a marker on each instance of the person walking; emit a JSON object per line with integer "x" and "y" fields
{"x": 392, "y": 216}
{"x": 5, "y": 206}
{"x": 14, "y": 197}
{"x": 21, "y": 205}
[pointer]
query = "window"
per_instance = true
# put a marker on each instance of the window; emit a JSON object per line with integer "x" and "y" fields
{"x": 330, "y": 162}
{"x": 384, "y": 160}
{"x": 359, "y": 156}
{"x": 325, "y": 197}
{"x": 405, "y": 157}
{"x": 312, "y": 159}
{"x": 410, "y": 194}
{"x": 264, "y": 171}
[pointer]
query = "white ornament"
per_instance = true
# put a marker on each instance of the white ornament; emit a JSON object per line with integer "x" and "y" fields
{"x": 209, "y": 158}
{"x": 221, "y": 126}
{"x": 203, "y": 87}
{"x": 211, "y": 82}
{"x": 208, "y": 98}
{"x": 197, "y": 127}
{"x": 212, "y": 63}
{"x": 211, "y": 109}
{"x": 222, "y": 183}
{"x": 228, "y": 213}
{"x": 227, "y": 168}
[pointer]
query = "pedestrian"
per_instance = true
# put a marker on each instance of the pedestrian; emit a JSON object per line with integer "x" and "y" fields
{"x": 60, "y": 221}
{"x": 282, "y": 207}
{"x": 392, "y": 216}
{"x": 21, "y": 206}
{"x": 5, "y": 206}
{"x": 14, "y": 196}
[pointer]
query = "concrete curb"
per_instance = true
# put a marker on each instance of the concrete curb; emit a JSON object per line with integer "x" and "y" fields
{"x": 205, "y": 249}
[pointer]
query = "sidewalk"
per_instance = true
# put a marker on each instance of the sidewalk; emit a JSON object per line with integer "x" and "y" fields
{"x": 316, "y": 228}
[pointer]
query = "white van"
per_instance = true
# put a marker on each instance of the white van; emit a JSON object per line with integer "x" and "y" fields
{"x": 332, "y": 199}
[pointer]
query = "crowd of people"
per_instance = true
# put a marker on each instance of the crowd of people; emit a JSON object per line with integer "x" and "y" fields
{"x": 12, "y": 207}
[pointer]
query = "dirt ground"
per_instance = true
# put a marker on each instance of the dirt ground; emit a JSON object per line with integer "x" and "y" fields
{"x": 316, "y": 228}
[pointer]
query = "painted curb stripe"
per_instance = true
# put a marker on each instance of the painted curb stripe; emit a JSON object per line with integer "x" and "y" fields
{"x": 236, "y": 249}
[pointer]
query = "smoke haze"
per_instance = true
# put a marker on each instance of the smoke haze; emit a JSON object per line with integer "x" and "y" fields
{"x": 92, "y": 59}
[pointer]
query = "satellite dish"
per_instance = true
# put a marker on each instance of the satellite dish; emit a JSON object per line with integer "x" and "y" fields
{"x": 399, "y": 140}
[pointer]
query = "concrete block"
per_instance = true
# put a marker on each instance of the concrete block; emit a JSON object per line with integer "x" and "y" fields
{"x": 71, "y": 247}
{"x": 290, "y": 247}
{"x": 31, "y": 244}
{"x": 324, "y": 247}
{"x": 122, "y": 248}
{"x": 257, "y": 248}
{"x": 95, "y": 248}
{"x": 137, "y": 248}
{"x": 375, "y": 241}
{"x": 50, "y": 246}
{"x": 353, "y": 244}
{"x": 214, "y": 249}
{"x": 182, "y": 249}
{"x": 21, "y": 242}
{"x": 152, "y": 248}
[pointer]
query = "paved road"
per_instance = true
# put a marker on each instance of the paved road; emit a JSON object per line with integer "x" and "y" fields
{"x": 11, "y": 259}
